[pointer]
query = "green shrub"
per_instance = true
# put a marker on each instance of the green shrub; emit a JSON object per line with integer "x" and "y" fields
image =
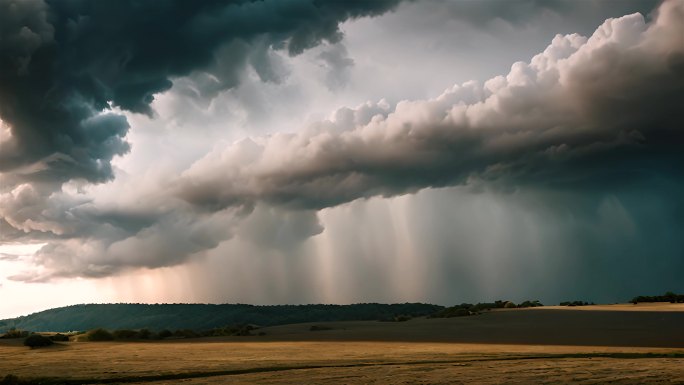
{"x": 185, "y": 333}
{"x": 165, "y": 334}
{"x": 125, "y": 334}
{"x": 454, "y": 311}
{"x": 15, "y": 333}
{"x": 530, "y": 304}
{"x": 667, "y": 297}
{"x": 231, "y": 330}
{"x": 316, "y": 328}
{"x": 145, "y": 334}
{"x": 459, "y": 313}
{"x": 396, "y": 318}
{"x": 100, "y": 335}
{"x": 575, "y": 303}
{"x": 60, "y": 337}
{"x": 37, "y": 340}
{"x": 245, "y": 330}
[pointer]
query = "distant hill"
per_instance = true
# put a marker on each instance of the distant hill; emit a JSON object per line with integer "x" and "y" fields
{"x": 202, "y": 316}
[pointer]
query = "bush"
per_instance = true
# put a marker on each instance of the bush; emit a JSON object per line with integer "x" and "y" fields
{"x": 185, "y": 333}
{"x": 15, "y": 333}
{"x": 125, "y": 334}
{"x": 530, "y": 304}
{"x": 667, "y": 297}
{"x": 244, "y": 330}
{"x": 60, "y": 337}
{"x": 145, "y": 334}
{"x": 165, "y": 334}
{"x": 466, "y": 309}
{"x": 575, "y": 303}
{"x": 37, "y": 340}
{"x": 454, "y": 311}
{"x": 317, "y": 328}
{"x": 231, "y": 330}
{"x": 100, "y": 335}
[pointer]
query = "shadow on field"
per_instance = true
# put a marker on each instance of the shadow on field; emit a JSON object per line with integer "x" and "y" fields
{"x": 534, "y": 327}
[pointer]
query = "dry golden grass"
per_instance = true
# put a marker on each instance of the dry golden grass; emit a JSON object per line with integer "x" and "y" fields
{"x": 325, "y": 362}
{"x": 556, "y": 371}
{"x": 461, "y": 350}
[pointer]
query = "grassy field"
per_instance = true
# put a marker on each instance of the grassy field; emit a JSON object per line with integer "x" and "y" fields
{"x": 416, "y": 351}
{"x": 215, "y": 362}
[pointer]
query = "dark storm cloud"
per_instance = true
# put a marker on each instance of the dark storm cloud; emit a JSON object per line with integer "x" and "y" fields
{"x": 62, "y": 63}
{"x": 582, "y": 115}
{"x": 64, "y": 68}
{"x": 520, "y": 12}
{"x": 585, "y": 112}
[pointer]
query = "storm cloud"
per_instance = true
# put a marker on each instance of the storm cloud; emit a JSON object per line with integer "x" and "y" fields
{"x": 65, "y": 64}
{"x": 604, "y": 109}
{"x": 68, "y": 71}
{"x": 566, "y": 145}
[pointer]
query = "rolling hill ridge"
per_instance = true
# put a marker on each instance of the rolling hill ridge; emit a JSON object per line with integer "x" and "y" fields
{"x": 203, "y": 316}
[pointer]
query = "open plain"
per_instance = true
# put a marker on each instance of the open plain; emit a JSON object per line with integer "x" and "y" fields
{"x": 623, "y": 345}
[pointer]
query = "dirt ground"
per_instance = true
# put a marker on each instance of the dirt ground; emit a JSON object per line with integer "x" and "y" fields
{"x": 518, "y": 346}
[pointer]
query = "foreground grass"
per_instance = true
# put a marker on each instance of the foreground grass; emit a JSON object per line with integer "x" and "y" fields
{"x": 590, "y": 370}
{"x": 109, "y": 363}
{"x": 520, "y": 361}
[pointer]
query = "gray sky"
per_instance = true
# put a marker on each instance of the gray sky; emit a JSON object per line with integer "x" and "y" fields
{"x": 274, "y": 152}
